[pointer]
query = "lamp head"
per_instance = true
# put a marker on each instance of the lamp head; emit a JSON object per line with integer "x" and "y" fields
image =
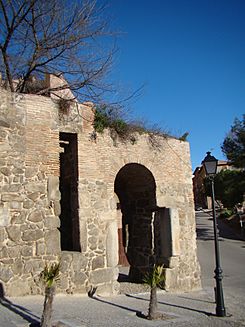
{"x": 210, "y": 164}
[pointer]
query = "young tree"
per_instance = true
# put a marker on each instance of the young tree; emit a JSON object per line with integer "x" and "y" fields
{"x": 68, "y": 39}
{"x": 49, "y": 276}
{"x": 234, "y": 144}
{"x": 154, "y": 279}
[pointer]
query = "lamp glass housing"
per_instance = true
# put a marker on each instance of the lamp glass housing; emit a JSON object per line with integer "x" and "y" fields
{"x": 210, "y": 164}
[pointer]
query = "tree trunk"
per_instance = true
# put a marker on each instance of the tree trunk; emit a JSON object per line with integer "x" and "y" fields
{"x": 47, "y": 307}
{"x": 152, "y": 313}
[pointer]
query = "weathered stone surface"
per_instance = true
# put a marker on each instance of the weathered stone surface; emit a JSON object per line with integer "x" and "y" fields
{"x": 33, "y": 196}
{"x": 3, "y": 252}
{"x": 80, "y": 278}
{"x": 100, "y": 276}
{"x": 14, "y": 233}
{"x": 108, "y": 289}
{"x": 51, "y": 222}
{"x": 19, "y": 287}
{"x": 94, "y": 232}
{"x": 13, "y": 251}
{"x": 53, "y": 188}
{"x": 83, "y": 235}
{"x": 11, "y": 197}
{"x": 32, "y": 235}
{"x": 5, "y": 273}
{"x": 15, "y": 187}
{"x": 33, "y": 187}
{"x": 40, "y": 249}
{"x": 63, "y": 283}
{"x": 33, "y": 265}
{"x": 27, "y": 251}
{"x": 28, "y": 204}
{"x": 79, "y": 261}
{"x": 17, "y": 171}
{"x": 17, "y": 267}
{"x": 30, "y": 172}
{"x": 112, "y": 245}
{"x": 98, "y": 262}
{"x": 5, "y": 170}
{"x": 15, "y": 205}
{"x": 57, "y": 208}
{"x": 4, "y": 216}
{"x": 18, "y": 218}
{"x": 4, "y": 123}
{"x": 52, "y": 242}
{"x": 35, "y": 216}
{"x": 2, "y": 234}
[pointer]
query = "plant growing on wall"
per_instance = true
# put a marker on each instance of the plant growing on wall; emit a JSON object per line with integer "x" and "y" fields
{"x": 49, "y": 277}
{"x": 112, "y": 118}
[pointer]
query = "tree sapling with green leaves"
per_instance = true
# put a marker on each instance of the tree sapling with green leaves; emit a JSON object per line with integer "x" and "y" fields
{"x": 49, "y": 276}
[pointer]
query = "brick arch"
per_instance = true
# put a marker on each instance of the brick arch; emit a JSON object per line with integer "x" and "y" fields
{"x": 136, "y": 189}
{"x": 123, "y": 161}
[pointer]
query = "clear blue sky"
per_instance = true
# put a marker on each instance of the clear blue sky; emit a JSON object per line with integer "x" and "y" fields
{"x": 190, "y": 54}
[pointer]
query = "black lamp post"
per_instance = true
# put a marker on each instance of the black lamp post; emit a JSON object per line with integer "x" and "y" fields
{"x": 210, "y": 165}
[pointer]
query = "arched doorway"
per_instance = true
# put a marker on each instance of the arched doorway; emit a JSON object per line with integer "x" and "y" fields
{"x": 136, "y": 189}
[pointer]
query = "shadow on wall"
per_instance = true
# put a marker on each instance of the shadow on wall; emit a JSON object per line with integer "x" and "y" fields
{"x": 19, "y": 310}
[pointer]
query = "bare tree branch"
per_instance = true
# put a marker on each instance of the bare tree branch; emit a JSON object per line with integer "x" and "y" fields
{"x": 55, "y": 37}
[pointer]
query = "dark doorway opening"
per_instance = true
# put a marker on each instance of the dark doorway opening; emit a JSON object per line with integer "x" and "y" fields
{"x": 69, "y": 219}
{"x": 136, "y": 189}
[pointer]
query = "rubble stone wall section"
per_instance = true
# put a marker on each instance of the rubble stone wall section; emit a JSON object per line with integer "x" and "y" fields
{"x": 30, "y": 198}
{"x": 168, "y": 160}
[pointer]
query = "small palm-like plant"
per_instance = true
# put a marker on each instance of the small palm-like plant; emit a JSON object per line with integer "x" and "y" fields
{"x": 49, "y": 276}
{"x": 154, "y": 279}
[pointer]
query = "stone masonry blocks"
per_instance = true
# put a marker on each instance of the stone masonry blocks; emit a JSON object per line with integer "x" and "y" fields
{"x": 30, "y": 233}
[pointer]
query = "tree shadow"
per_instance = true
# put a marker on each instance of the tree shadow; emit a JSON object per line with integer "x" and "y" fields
{"x": 198, "y": 300}
{"x": 226, "y": 231}
{"x": 19, "y": 310}
{"x": 115, "y": 305}
{"x": 204, "y": 234}
{"x": 175, "y": 305}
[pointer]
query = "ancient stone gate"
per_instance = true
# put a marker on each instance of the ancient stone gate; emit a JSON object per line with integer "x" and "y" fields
{"x": 66, "y": 193}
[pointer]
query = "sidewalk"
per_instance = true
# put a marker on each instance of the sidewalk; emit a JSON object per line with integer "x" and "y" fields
{"x": 187, "y": 309}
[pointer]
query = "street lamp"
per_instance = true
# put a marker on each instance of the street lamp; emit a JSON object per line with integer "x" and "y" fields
{"x": 210, "y": 164}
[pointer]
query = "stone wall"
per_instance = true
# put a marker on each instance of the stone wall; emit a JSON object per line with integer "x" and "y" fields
{"x": 30, "y": 198}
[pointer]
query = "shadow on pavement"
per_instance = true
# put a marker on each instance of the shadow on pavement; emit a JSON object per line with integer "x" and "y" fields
{"x": 226, "y": 231}
{"x": 115, "y": 305}
{"x": 205, "y": 231}
{"x": 198, "y": 300}
{"x": 19, "y": 310}
{"x": 174, "y": 305}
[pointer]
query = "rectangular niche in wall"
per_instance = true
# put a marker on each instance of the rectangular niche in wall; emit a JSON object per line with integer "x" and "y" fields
{"x": 69, "y": 219}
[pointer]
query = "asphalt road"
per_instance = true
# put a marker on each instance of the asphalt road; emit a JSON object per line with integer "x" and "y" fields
{"x": 232, "y": 255}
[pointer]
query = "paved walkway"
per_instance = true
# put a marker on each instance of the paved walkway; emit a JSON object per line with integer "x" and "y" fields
{"x": 187, "y": 309}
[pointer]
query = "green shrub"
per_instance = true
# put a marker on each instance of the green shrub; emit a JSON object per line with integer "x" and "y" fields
{"x": 113, "y": 119}
{"x": 101, "y": 120}
{"x": 226, "y": 213}
{"x": 155, "y": 277}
